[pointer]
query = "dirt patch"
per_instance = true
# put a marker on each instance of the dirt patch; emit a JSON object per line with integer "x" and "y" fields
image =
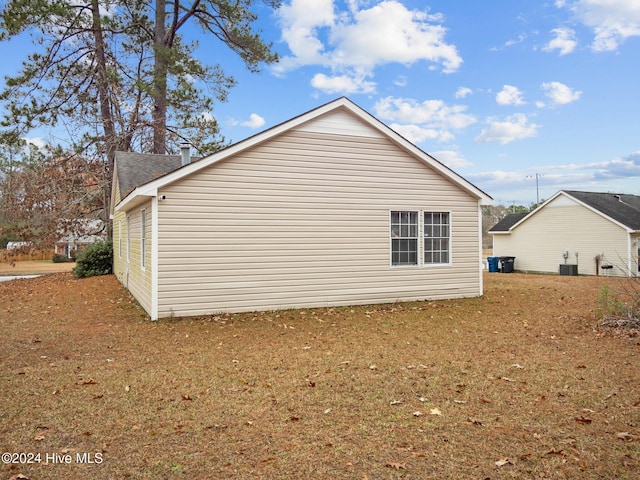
{"x": 517, "y": 384}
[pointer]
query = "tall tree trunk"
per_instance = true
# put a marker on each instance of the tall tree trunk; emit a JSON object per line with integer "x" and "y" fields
{"x": 106, "y": 112}
{"x": 160, "y": 72}
{"x": 103, "y": 85}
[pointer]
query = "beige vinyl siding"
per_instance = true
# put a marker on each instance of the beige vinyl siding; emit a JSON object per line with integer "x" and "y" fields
{"x": 119, "y": 245}
{"x": 129, "y": 271}
{"x": 303, "y": 220}
{"x": 564, "y": 225}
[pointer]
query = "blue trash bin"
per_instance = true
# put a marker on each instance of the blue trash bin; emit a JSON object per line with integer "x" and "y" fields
{"x": 493, "y": 263}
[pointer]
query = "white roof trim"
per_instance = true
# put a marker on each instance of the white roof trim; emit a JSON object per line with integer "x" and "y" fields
{"x": 151, "y": 189}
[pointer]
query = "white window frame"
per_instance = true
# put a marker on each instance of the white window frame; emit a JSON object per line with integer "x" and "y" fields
{"x": 120, "y": 238}
{"x": 436, "y": 233}
{"x": 143, "y": 239}
{"x": 128, "y": 238}
{"x": 395, "y": 233}
{"x": 400, "y": 232}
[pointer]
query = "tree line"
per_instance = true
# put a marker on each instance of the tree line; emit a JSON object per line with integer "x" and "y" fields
{"x": 114, "y": 75}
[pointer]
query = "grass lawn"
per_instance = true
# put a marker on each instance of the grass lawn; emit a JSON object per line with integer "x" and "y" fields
{"x": 520, "y": 383}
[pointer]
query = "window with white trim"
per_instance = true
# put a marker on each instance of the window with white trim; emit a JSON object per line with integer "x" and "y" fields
{"x": 143, "y": 238}
{"x": 404, "y": 238}
{"x": 128, "y": 238}
{"x": 119, "y": 238}
{"x": 437, "y": 238}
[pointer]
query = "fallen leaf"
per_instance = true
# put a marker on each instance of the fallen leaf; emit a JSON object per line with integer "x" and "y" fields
{"x": 625, "y": 436}
{"x": 397, "y": 466}
{"x": 127, "y": 388}
{"x": 502, "y": 462}
{"x": 474, "y": 421}
{"x": 559, "y": 453}
{"x": 18, "y": 477}
{"x": 417, "y": 414}
{"x": 38, "y": 438}
{"x": 435, "y": 411}
{"x": 395, "y": 402}
{"x": 581, "y": 419}
{"x": 91, "y": 381}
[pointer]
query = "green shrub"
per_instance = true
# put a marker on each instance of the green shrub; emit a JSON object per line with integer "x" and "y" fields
{"x": 59, "y": 258}
{"x": 96, "y": 259}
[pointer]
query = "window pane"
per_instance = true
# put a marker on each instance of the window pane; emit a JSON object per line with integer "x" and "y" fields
{"x": 404, "y": 238}
{"x": 436, "y": 237}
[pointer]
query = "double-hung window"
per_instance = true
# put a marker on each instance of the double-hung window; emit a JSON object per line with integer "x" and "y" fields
{"x": 143, "y": 239}
{"x": 413, "y": 232}
{"x": 404, "y": 238}
{"x": 437, "y": 236}
{"x": 128, "y": 238}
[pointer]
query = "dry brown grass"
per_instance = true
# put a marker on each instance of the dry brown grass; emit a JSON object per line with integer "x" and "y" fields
{"x": 34, "y": 267}
{"x": 516, "y": 384}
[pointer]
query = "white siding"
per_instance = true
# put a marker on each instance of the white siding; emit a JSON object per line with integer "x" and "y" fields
{"x": 303, "y": 220}
{"x": 564, "y": 225}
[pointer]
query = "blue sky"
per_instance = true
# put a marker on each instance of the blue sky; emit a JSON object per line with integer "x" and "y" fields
{"x": 501, "y": 91}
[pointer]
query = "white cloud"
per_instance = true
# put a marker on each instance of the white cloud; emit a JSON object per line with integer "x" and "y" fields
{"x": 559, "y": 93}
{"x": 422, "y": 121}
{"x": 342, "y": 84}
{"x": 510, "y": 95}
{"x": 625, "y": 167}
{"x": 207, "y": 117}
{"x": 255, "y": 121}
{"x": 451, "y": 158}
{"x": 418, "y": 134}
{"x": 564, "y": 41}
{"x": 514, "y": 127}
{"x": 356, "y": 41}
{"x": 433, "y": 113}
{"x": 612, "y": 21}
{"x": 37, "y": 142}
{"x": 463, "y": 92}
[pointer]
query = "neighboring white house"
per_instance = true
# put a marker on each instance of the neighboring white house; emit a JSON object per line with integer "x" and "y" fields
{"x": 75, "y": 235}
{"x": 329, "y": 208}
{"x": 592, "y": 233}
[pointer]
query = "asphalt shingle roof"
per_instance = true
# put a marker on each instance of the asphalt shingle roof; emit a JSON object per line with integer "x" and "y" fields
{"x": 135, "y": 169}
{"x": 622, "y": 208}
{"x": 507, "y": 222}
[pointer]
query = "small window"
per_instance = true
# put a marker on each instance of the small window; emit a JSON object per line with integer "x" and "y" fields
{"x": 128, "y": 238}
{"x": 437, "y": 238}
{"x": 119, "y": 238}
{"x": 143, "y": 238}
{"x": 404, "y": 238}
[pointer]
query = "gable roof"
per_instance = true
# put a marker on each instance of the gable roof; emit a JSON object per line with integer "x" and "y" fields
{"x": 507, "y": 222}
{"x": 151, "y": 186}
{"x": 624, "y": 209}
{"x": 620, "y": 208}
